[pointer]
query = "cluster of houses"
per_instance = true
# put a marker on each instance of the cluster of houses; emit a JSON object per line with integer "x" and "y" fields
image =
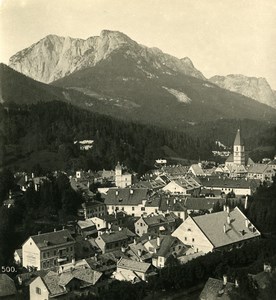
{"x": 138, "y": 226}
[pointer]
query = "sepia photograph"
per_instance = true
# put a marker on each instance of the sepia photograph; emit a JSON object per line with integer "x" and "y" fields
{"x": 137, "y": 149}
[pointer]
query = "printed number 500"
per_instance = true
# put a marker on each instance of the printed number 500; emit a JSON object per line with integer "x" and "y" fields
{"x": 8, "y": 269}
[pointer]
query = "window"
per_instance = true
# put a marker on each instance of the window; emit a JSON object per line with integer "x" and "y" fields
{"x": 71, "y": 248}
{"x": 193, "y": 239}
{"x": 132, "y": 207}
{"x": 38, "y": 290}
{"x": 55, "y": 252}
{"x": 185, "y": 238}
{"x": 44, "y": 254}
{"x": 143, "y": 208}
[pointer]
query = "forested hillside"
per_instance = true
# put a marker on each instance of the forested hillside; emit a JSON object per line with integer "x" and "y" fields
{"x": 54, "y": 126}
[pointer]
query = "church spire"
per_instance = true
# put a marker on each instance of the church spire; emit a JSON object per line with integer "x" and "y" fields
{"x": 238, "y": 139}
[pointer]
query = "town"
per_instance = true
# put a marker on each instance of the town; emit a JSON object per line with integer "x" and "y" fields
{"x": 87, "y": 231}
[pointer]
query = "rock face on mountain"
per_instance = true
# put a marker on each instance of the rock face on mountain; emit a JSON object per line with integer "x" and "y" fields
{"x": 55, "y": 57}
{"x": 252, "y": 87}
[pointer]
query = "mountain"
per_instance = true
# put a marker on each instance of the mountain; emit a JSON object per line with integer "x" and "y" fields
{"x": 252, "y": 87}
{"x": 112, "y": 74}
{"x": 54, "y": 57}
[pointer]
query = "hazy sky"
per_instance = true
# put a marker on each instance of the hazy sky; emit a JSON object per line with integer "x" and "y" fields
{"x": 220, "y": 36}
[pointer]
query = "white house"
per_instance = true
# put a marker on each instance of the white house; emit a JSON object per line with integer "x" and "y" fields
{"x": 221, "y": 230}
{"x": 47, "y": 250}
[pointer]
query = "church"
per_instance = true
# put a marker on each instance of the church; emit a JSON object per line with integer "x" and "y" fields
{"x": 237, "y": 162}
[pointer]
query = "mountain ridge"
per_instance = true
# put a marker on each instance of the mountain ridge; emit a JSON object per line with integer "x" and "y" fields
{"x": 64, "y": 55}
{"x": 256, "y": 88}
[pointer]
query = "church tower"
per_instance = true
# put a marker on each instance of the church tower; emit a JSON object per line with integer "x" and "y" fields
{"x": 238, "y": 151}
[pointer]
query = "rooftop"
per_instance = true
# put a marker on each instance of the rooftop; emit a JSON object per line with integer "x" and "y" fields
{"x": 212, "y": 227}
{"x": 127, "y": 196}
{"x": 136, "y": 266}
{"x": 53, "y": 238}
{"x": 7, "y": 286}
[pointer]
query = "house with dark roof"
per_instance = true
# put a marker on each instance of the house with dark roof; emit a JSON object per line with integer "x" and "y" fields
{"x": 68, "y": 284}
{"x": 217, "y": 231}
{"x": 263, "y": 172}
{"x": 132, "y": 201}
{"x": 43, "y": 251}
{"x": 155, "y": 224}
{"x": 202, "y": 204}
{"x": 114, "y": 240}
{"x": 240, "y": 186}
{"x": 164, "y": 247}
{"x": 133, "y": 271}
{"x": 92, "y": 209}
{"x": 174, "y": 204}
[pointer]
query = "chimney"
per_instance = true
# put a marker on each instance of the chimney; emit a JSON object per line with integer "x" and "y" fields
{"x": 246, "y": 202}
{"x": 73, "y": 261}
{"x": 224, "y": 279}
{"x": 158, "y": 242}
{"x": 227, "y": 209}
{"x": 228, "y": 219}
{"x": 39, "y": 233}
{"x": 246, "y": 223}
{"x": 224, "y": 207}
{"x": 55, "y": 230}
{"x": 139, "y": 252}
{"x": 123, "y": 249}
{"x": 109, "y": 225}
{"x": 117, "y": 192}
{"x": 224, "y": 228}
{"x": 32, "y": 175}
{"x": 149, "y": 237}
{"x": 236, "y": 283}
{"x": 120, "y": 228}
{"x": 26, "y": 178}
{"x": 135, "y": 242}
{"x": 63, "y": 227}
{"x": 131, "y": 191}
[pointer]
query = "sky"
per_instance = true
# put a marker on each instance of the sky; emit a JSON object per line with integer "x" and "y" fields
{"x": 220, "y": 36}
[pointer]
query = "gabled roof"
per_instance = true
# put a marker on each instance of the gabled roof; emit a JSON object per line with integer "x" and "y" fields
{"x": 212, "y": 227}
{"x": 197, "y": 170}
{"x": 166, "y": 245}
{"x": 54, "y": 238}
{"x": 238, "y": 139}
{"x": 225, "y": 182}
{"x": 132, "y": 265}
{"x": 202, "y": 203}
{"x": 56, "y": 283}
{"x": 7, "y": 286}
{"x": 175, "y": 170}
{"x": 172, "y": 203}
{"x": 157, "y": 220}
{"x": 259, "y": 168}
{"x": 112, "y": 237}
{"x": 127, "y": 196}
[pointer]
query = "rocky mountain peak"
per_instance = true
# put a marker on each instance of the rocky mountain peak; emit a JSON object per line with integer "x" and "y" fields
{"x": 252, "y": 87}
{"x": 55, "y": 57}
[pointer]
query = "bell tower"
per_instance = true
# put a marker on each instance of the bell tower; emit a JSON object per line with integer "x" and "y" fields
{"x": 238, "y": 150}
